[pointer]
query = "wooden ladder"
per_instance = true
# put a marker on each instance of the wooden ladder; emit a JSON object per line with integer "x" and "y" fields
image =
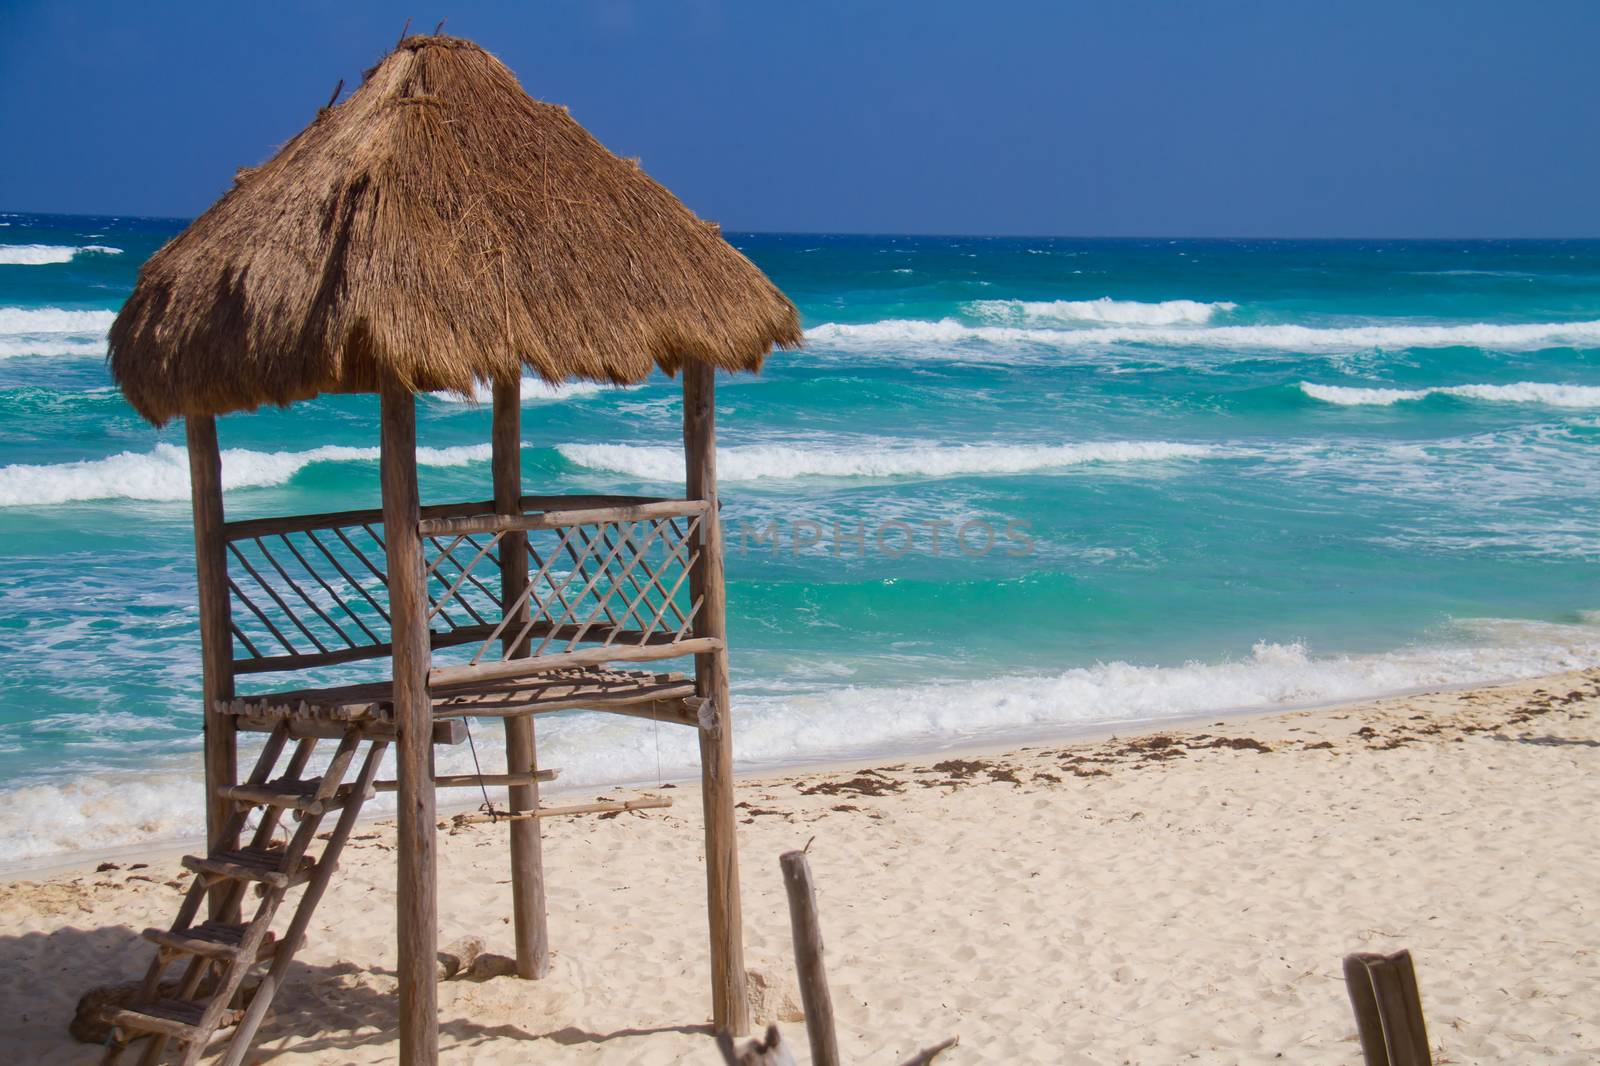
{"x": 220, "y": 952}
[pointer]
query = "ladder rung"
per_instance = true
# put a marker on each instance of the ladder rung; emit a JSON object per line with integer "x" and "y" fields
{"x": 214, "y": 940}
{"x": 250, "y": 864}
{"x": 174, "y": 1017}
{"x": 291, "y": 795}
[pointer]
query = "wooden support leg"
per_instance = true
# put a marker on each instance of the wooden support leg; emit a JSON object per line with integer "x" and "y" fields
{"x": 729, "y": 1007}
{"x": 216, "y": 640}
{"x": 417, "y": 888}
{"x": 527, "y": 852}
{"x": 527, "y": 856}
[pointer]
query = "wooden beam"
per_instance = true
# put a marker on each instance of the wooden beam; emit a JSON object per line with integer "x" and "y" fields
{"x": 472, "y": 780}
{"x": 451, "y": 676}
{"x": 635, "y": 512}
{"x": 216, "y": 637}
{"x": 445, "y": 731}
{"x": 807, "y": 929}
{"x": 528, "y": 909}
{"x": 666, "y": 712}
{"x": 417, "y": 888}
{"x": 271, "y": 526}
{"x": 730, "y": 1009}
{"x": 604, "y": 807}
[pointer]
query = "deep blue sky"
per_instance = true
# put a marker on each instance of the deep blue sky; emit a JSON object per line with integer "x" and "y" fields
{"x": 1118, "y": 117}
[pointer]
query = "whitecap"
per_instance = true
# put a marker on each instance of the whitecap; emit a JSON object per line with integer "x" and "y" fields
{"x": 534, "y": 390}
{"x": 163, "y": 473}
{"x": 908, "y": 335}
{"x": 1535, "y": 392}
{"x": 1104, "y": 310}
{"x": 53, "y": 331}
{"x": 874, "y": 459}
{"x": 46, "y": 254}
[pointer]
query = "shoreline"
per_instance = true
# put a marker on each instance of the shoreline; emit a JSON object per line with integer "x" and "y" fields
{"x": 1145, "y": 897}
{"x": 1015, "y": 741}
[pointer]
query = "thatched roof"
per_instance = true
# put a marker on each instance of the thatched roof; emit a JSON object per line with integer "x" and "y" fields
{"x": 439, "y": 228}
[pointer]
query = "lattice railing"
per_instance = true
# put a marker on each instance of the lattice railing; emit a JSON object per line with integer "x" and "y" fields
{"x": 616, "y": 578}
{"x": 610, "y": 572}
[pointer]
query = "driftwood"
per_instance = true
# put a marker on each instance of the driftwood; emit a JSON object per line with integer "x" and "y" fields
{"x": 488, "y": 966}
{"x": 808, "y": 958}
{"x": 459, "y": 956}
{"x": 648, "y": 803}
{"x": 477, "y": 780}
{"x": 808, "y": 952}
{"x": 928, "y": 1054}
{"x": 1388, "y": 1009}
{"x": 770, "y": 1051}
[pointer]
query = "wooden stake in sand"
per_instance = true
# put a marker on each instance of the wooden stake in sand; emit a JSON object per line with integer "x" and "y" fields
{"x": 820, "y": 1030}
{"x": 1388, "y": 1008}
{"x": 808, "y": 958}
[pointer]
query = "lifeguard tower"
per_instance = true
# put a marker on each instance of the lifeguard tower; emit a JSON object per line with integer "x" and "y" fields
{"x": 437, "y": 230}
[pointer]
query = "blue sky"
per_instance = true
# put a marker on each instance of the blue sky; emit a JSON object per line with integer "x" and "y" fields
{"x": 1121, "y": 117}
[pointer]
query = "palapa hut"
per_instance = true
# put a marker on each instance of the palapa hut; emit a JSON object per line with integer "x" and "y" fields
{"x": 437, "y": 230}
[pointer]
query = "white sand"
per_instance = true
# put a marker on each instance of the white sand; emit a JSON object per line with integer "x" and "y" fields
{"x": 1192, "y": 907}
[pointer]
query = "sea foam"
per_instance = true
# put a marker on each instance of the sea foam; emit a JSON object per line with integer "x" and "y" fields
{"x": 772, "y": 462}
{"x": 901, "y": 334}
{"x": 46, "y": 254}
{"x": 98, "y": 810}
{"x": 1105, "y": 310}
{"x": 163, "y": 473}
{"x": 53, "y": 331}
{"x": 534, "y": 390}
{"x": 1550, "y": 395}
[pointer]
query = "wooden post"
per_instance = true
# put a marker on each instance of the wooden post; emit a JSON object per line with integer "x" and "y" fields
{"x": 527, "y": 853}
{"x": 417, "y": 887}
{"x": 1388, "y": 1008}
{"x": 729, "y": 1007}
{"x": 814, "y": 995}
{"x": 216, "y": 638}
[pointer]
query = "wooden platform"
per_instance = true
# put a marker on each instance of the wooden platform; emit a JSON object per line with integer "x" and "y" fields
{"x": 638, "y": 693}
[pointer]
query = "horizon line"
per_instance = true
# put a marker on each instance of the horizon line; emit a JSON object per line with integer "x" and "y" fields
{"x": 950, "y": 235}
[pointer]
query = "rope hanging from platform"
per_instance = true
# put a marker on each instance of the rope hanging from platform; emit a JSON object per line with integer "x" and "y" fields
{"x": 487, "y": 807}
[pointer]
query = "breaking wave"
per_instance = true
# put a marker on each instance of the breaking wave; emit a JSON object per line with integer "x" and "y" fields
{"x": 534, "y": 390}
{"x": 764, "y": 462}
{"x": 53, "y": 331}
{"x": 45, "y": 254}
{"x": 163, "y": 473}
{"x": 1105, "y": 310}
{"x": 1549, "y": 395}
{"x": 94, "y": 811}
{"x": 950, "y": 333}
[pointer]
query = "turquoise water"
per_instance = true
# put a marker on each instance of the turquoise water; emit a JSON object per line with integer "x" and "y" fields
{"x": 1217, "y": 475}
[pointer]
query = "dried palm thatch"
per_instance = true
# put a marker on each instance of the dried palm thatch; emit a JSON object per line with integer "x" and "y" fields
{"x": 438, "y": 229}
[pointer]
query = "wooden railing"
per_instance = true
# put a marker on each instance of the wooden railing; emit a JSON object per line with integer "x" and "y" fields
{"x": 604, "y": 571}
{"x": 613, "y": 577}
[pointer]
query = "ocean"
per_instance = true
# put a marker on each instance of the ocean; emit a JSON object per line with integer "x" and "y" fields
{"x": 1011, "y": 488}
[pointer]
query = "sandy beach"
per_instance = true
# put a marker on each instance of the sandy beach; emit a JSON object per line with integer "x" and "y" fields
{"x": 1154, "y": 898}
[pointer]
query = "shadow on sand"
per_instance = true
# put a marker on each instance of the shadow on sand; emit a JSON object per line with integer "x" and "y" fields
{"x": 320, "y": 1009}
